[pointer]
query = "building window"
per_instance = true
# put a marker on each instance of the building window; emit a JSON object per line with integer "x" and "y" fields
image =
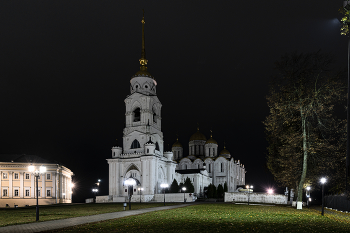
{"x": 39, "y": 193}
{"x": 209, "y": 152}
{"x": 214, "y": 152}
{"x": 209, "y": 168}
{"x": 16, "y": 193}
{"x": 48, "y": 193}
{"x": 147, "y": 151}
{"x": 27, "y": 193}
{"x": 4, "y": 192}
{"x": 27, "y": 176}
{"x": 16, "y": 176}
{"x": 157, "y": 146}
{"x": 137, "y": 114}
{"x": 135, "y": 144}
{"x": 48, "y": 176}
{"x": 222, "y": 167}
{"x": 4, "y": 175}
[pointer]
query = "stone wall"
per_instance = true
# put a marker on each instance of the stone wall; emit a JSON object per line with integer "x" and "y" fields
{"x": 169, "y": 197}
{"x": 256, "y": 198}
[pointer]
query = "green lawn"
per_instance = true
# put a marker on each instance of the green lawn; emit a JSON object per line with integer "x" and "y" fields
{"x": 26, "y": 215}
{"x": 223, "y": 218}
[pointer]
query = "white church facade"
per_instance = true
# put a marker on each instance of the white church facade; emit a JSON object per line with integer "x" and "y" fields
{"x": 142, "y": 157}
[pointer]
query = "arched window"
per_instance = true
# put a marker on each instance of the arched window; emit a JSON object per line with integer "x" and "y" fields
{"x": 222, "y": 167}
{"x": 135, "y": 144}
{"x": 157, "y": 146}
{"x": 137, "y": 114}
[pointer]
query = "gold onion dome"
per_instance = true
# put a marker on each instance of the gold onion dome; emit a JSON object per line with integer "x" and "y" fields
{"x": 198, "y": 136}
{"x": 224, "y": 151}
{"x": 211, "y": 140}
{"x": 177, "y": 143}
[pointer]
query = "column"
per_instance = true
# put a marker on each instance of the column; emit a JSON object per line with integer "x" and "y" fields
{"x": 60, "y": 183}
{"x": 54, "y": 185}
{"x": 10, "y": 185}
{"x": 32, "y": 186}
{"x": 0, "y": 184}
{"x": 21, "y": 188}
{"x": 151, "y": 177}
{"x": 43, "y": 185}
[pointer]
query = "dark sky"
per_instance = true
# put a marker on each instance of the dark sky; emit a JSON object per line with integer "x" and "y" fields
{"x": 65, "y": 68}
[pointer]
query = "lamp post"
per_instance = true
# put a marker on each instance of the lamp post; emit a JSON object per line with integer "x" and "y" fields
{"x": 323, "y": 181}
{"x": 184, "y": 189}
{"x": 140, "y": 189}
{"x": 95, "y": 190}
{"x": 37, "y": 172}
{"x": 249, "y": 187}
{"x": 164, "y": 186}
{"x": 307, "y": 195}
{"x": 130, "y": 183}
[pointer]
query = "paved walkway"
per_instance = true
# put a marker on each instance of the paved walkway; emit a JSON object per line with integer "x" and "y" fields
{"x": 69, "y": 222}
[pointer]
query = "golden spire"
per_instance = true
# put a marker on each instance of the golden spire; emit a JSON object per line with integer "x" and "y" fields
{"x": 143, "y": 60}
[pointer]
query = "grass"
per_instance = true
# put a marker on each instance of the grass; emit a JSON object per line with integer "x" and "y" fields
{"x": 223, "y": 218}
{"x": 26, "y": 215}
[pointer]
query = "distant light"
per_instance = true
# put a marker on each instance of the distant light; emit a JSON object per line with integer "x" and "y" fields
{"x": 308, "y": 188}
{"x": 164, "y": 185}
{"x": 42, "y": 169}
{"x": 31, "y": 168}
{"x": 323, "y": 180}
{"x": 99, "y": 180}
{"x": 140, "y": 189}
{"x": 270, "y": 191}
{"x": 130, "y": 182}
{"x": 184, "y": 188}
{"x": 72, "y": 185}
{"x": 95, "y": 190}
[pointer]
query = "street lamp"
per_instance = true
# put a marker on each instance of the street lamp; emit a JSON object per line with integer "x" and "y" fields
{"x": 95, "y": 190}
{"x": 164, "y": 186}
{"x": 37, "y": 172}
{"x": 307, "y": 195}
{"x": 130, "y": 183}
{"x": 323, "y": 181}
{"x": 249, "y": 188}
{"x": 140, "y": 189}
{"x": 184, "y": 189}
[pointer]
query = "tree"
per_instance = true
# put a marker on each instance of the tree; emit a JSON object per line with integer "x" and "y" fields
{"x": 220, "y": 191}
{"x": 301, "y": 129}
{"x": 210, "y": 191}
{"x": 189, "y": 186}
{"x": 225, "y": 187}
{"x": 174, "y": 187}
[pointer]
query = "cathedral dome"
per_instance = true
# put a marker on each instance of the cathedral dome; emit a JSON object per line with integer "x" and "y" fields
{"x": 177, "y": 143}
{"x": 211, "y": 140}
{"x": 198, "y": 136}
{"x": 224, "y": 152}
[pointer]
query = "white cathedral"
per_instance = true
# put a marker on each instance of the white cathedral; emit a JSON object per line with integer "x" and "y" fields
{"x": 143, "y": 159}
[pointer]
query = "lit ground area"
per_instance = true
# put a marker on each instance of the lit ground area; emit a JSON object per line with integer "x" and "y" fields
{"x": 11, "y": 216}
{"x": 224, "y": 218}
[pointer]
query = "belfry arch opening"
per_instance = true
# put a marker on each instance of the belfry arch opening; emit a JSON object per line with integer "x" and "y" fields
{"x": 137, "y": 114}
{"x": 135, "y": 144}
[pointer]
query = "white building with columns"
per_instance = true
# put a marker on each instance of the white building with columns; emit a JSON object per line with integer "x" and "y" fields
{"x": 18, "y": 187}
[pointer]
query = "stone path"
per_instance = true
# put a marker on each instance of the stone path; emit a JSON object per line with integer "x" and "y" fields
{"x": 69, "y": 222}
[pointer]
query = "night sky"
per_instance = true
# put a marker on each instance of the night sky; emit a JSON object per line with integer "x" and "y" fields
{"x": 65, "y": 69}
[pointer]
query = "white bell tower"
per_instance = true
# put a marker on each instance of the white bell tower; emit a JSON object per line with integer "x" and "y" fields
{"x": 143, "y": 110}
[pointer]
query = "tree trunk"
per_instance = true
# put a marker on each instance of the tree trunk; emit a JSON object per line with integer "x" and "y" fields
{"x": 303, "y": 175}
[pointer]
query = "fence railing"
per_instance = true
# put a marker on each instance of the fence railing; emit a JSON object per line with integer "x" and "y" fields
{"x": 338, "y": 202}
